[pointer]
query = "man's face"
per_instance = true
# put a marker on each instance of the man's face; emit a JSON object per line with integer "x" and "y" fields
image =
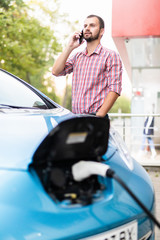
{"x": 92, "y": 29}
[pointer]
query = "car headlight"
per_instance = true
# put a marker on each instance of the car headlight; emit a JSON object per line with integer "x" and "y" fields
{"x": 118, "y": 142}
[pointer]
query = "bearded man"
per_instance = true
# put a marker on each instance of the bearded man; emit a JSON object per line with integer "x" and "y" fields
{"x": 97, "y": 71}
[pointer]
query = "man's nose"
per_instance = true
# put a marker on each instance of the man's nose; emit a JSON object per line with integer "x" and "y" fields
{"x": 87, "y": 28}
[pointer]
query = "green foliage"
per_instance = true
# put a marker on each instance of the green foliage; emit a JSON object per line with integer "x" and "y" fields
{"x": 29, "y": 42}
{"x": 123, "y": 104}
{"x": 67, "y": 101}
{"x": 6, "y": 4}
{"x": 27, "y": 48}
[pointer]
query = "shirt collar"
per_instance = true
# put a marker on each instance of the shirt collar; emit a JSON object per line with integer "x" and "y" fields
{"x": 96, "y": 51}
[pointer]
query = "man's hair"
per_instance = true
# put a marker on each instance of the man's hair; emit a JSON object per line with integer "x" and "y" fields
{"x": 101, "y": 21}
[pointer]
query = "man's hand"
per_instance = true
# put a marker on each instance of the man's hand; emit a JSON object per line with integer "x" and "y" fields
{"x": 74, "y": 41}
{"x": 108, "y": 103}
{"x": 61, "y": 60}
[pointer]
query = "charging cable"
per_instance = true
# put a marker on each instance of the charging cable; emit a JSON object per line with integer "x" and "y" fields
{"x": 85, "y": 169}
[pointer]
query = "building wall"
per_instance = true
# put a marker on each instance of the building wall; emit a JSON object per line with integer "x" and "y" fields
{"x": 135, "y": 18}
{"x": 136, "y": 33}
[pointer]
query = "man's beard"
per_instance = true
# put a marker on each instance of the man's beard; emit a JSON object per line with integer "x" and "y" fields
{"x": 90, "y": 39}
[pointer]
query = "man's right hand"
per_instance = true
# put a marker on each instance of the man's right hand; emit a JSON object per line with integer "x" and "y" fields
{"x": 61, "y": 60}
{"x": 74, "y": 40}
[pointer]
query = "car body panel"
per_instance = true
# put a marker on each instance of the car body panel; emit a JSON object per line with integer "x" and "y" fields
{"x": 30, "y": 127}
{"x": 26, "y": 205}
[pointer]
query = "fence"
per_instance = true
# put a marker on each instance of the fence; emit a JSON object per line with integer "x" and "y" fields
{"x": 131, "y": 127}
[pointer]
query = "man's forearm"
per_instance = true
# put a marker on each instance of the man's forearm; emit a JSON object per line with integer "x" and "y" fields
{"x": 59, "y": 64}
{"x": 108, "y": 103}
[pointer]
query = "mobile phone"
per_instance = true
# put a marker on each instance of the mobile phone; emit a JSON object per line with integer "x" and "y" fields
{"x": 81, "y": 37}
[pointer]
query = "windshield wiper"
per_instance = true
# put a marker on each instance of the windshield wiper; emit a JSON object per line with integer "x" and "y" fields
{"x": 17, "y": 107}
{"x": 21, "y": 107}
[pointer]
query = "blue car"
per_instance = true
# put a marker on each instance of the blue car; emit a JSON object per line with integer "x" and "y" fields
{"x": 65, "y": 176}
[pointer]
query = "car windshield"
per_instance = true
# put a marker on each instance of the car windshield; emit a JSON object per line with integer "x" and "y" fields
{"x": 15, "y": 94}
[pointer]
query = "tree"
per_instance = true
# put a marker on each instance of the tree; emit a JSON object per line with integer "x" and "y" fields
{"x": 67, "y": 100}
{"x": 27, "y": 48}
{"x": 6, "y": 4}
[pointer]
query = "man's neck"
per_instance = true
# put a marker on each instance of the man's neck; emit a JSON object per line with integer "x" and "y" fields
{"x": 91, "y": 46}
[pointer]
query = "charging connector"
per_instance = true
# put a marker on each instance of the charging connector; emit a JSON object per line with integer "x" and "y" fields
{"x": 85, "y": 169}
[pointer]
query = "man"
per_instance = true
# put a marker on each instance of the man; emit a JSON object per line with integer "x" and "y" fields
{"x": 97, "y": 71}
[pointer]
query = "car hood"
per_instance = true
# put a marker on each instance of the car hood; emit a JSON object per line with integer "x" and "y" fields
{"x": 21, "y": 132}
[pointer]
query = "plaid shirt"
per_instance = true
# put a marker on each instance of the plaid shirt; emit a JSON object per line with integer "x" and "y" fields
{"x": 93, "y": 78}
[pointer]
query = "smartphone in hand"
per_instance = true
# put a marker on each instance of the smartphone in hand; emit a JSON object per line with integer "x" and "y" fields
{"x": 81, "y": 37}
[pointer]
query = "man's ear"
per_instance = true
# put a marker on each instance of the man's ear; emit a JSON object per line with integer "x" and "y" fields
{"x": 102, "y": 32}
